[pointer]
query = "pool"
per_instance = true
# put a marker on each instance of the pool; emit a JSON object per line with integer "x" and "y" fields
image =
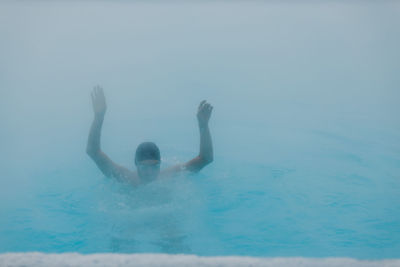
{"x": 305, "y": 127}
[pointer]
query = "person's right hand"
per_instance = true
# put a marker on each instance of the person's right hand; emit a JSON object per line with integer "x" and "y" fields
{"x": 99, "y": 101}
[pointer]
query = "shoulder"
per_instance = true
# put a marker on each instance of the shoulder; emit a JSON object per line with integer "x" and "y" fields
{"x": 125, "y": 175}
{"x": 173, "y": 170}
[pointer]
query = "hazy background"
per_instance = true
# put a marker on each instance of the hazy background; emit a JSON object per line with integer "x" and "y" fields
{"x": 315, "y": 64}
{"x": 293, "y": 84}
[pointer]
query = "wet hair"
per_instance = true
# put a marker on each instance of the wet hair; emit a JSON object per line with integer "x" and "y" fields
{"x": 147, "y": 150}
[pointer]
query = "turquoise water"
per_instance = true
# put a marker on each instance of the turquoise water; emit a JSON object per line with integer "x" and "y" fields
{"x": 305, "y": 127}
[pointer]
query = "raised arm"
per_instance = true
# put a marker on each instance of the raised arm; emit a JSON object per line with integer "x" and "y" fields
{"x": 206, "y": 155}
{"x": 93, "y": 149}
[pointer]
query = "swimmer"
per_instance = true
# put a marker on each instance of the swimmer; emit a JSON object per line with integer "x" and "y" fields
{"x": 147, "y": 156}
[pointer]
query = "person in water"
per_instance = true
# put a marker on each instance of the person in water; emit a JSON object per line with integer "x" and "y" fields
{"x": 147, "y": 157}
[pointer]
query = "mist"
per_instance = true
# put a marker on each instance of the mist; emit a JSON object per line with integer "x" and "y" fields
{"x": 283, "y": 78}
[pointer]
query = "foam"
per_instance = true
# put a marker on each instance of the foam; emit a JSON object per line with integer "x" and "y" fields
{"x": 109, "y": 259}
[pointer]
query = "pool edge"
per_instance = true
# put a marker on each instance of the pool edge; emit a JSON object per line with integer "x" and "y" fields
{"x": 111, "y": 259}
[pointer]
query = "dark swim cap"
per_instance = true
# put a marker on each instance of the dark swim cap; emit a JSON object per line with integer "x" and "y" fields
{"x": 147, "y": 150}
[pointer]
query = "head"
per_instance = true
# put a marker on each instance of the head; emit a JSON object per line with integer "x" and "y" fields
{"x": 147, "y": 161}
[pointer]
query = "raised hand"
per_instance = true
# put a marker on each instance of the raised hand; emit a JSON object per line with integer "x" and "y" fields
{"x": 98, "y": 101}
{"x": 204, "y": 113}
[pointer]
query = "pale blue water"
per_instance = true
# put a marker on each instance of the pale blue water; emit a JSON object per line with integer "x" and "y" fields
{"x": 305, "y": 127}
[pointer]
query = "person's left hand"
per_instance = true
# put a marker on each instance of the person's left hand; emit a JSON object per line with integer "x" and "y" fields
{"x": 204, "y": 113}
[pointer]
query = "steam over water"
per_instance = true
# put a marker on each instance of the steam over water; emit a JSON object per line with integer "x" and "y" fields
{"x": 305, "y": 126}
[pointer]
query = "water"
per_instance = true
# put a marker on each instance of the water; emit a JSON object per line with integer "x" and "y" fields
{"x": 305, "y": 127}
